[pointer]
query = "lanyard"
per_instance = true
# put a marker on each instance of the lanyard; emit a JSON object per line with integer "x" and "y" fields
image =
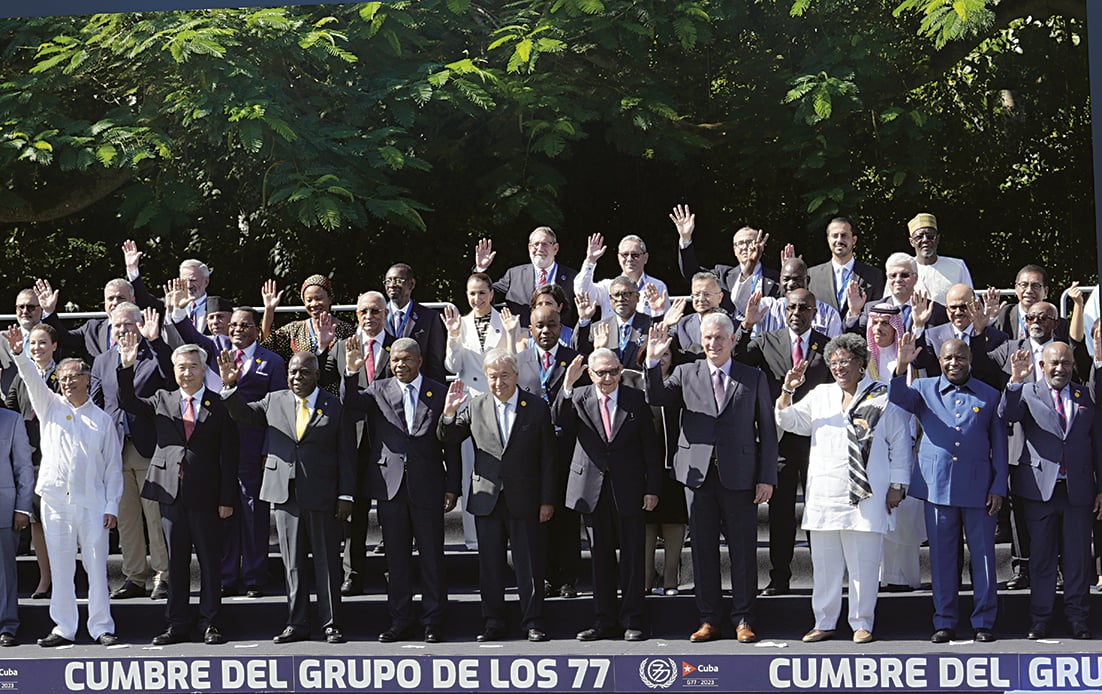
{"x": 402, "y": 325}
{"x": 545, "y": 374}
{"x": 625, "y": 337}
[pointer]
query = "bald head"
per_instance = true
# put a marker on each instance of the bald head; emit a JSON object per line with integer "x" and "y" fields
{"x": 955, "y": 358}
{"x": 1057, "y": 363}
{"x": 958, "y": 304}
{"x": 1040, "y": 321}
{"x": 794, "y": 274}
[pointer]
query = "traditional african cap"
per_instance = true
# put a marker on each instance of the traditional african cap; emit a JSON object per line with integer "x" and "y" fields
{"x": 922, "y": 220}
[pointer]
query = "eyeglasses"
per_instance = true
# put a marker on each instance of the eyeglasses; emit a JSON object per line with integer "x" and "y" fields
{"x": 620, "y": 296}
{"x": 395, "y": 281}
{"x": 540, "y": 244}
{"x": 27, "y": 307}
{"x": 798, "y": 307}
{"x": 242, "y": 326}
{"x": 704, "y": 295}
{"x": 1035, "y": 286}
{"x": 900, "y": 275}
{"x": 630, "y": 255}
{"x": 1038, "y": 317}
{"x": 745, "y": 243}
{"x": 68, "y": 378}
{"x": 840, "y": 363}
{"x": 605, "y": 373}
{"x": 920, "y": 235}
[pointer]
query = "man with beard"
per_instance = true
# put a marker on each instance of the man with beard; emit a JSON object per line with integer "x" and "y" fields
{"x": 843, "y": 281}
{"x": 407, "y": 318}
{"x": 516, "y": 285}
{"x": 936, "y": 273}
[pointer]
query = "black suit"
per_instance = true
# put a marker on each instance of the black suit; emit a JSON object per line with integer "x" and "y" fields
{"x": 582, "y": 339}
{"x": 1008, "y": 317}
{"x": 608, "y": 477}
{"x": 517, "y": 284}
{"x": 509, "y": 484}
{"x": 772, "y": 353}
{"x": 408, "y": 472}
{"x": 728, "y": 276}
{"x": 93, "y": 337}
{"x": 423, "y": 325}
{"x": 190, "y": 477}
{"x": 822, "y": 284}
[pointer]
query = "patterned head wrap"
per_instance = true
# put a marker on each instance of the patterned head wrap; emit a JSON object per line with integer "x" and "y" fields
{"x": 316, "y": 281}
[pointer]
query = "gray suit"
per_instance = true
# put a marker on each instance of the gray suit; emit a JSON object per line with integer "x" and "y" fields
{"x": 16, "y": 492}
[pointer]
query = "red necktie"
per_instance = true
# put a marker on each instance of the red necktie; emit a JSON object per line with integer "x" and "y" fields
{"x": 369, "y": 359}
{"x": 542, "y": 278}
{"x": 1063, "y": 425}
{"x": 239, "y": 358}
{"x": 546, "y": 361}
{"x": 189, "y": 418}
{"x": 606, "y": 420}
{"x": 797, "y": 352}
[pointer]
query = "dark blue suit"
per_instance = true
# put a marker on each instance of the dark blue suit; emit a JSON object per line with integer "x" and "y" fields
{"x": 1057, "y": 510}
{"x": 961, "y": 461}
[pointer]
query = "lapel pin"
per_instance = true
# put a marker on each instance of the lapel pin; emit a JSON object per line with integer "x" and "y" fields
{"x": 206, "y": 403}
{"x": 562, "y": 363}
{"x": 319, "y": 411}
{"x": 1076, "y": 393}
{"x": 975, "y": 409}
{"x": 68, "y": 416}
{"x": 524, "y": 403}
{"x": 428, "y": 394}
{"x": 258, "y": 360}
{"x": 814, "y": 348}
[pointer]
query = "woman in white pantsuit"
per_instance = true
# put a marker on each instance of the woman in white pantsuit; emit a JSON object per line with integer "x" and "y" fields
{"x": 860, "y": 464}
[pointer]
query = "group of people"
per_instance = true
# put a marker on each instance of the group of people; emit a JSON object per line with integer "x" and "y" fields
{"x": 907, "y": 407}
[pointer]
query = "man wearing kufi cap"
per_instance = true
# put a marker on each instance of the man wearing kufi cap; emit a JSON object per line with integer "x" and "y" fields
{"x": 936, "y": 273}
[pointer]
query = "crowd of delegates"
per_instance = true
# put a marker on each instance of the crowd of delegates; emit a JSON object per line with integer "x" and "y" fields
{"x": 907, "y": 406}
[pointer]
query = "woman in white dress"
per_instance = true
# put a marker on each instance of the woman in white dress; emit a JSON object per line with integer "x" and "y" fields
{"x": 860, "y": 463}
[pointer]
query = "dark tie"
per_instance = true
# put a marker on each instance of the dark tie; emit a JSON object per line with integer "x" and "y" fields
{"x": 1063, "y": 417}
{"x": 719, "y": 389}
{"x": 906, "y": 311}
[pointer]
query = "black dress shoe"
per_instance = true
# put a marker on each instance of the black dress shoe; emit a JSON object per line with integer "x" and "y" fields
{"x": 351, "y": 586}
{"x": 634, "y": 635}
{"x": 107, "y": 639}
{"x": 393, "y": 634}
{"x": 51, "y": 640}
{"x": 536, "y": 635}
{"x": 491, "y": 633}
{"x": 1078, "y": 631}
{"x": 169, "y": 637}
{"x": 230, "y": 591}
{"x": 596, "y": 634}
{"x": 254, "y": 592}
{"x": 127, "y": 590}
{"x": 1037, "y": 630}
{"x": 776, "y": 589}
{"x": 943, "y": 636}
{"x": 379, "y": 548}
{"x": 42, "y": 594}
{"x": 432, "y": 635}
{"x": 333, "y": 635}
{"x": 213, "y": 636}
{"x": 984, "y": 636}
{"x": 568, "y": 591}
{"x": 7, "y": 640}
{"x": 290, "y": 635}
{"x": 1020, "y": 581}
{"x": 160, "y": 591}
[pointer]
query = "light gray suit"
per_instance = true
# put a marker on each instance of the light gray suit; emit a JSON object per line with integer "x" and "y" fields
{"x": 16, "y": 492}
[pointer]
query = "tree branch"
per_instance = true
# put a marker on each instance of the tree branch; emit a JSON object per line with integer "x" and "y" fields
{"x": 83, "y": 195}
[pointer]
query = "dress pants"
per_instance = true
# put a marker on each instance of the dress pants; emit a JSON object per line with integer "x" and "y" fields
{"x": 564, "y": 537}
{"x": 791, "y": 474}
{"x": 943, "y": 526}
{"x": 607, "y": 529}
{"x": 133, "y": 510}
{"x": 320, "y": 531}
{"x": 1063, "y": 532}
{"x": 245, "y": 533}
{"x": 9, "y": 582}
{"x": 186, "y": 528}
{"x": 496, "y": 532}
{"x": 833, "y": 553}
{"x": 66, "y": 526}
{"x": 713, "y": 508}
{"x": 354, "y": 560}
{"x": 402, "y": 523}
{"x": 470, "y": 535}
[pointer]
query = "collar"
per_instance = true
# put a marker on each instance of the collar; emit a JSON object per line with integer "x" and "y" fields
{"x": 392, "y": 308}
{"x": 554, "y": 351}
{"x": 1065, "y": 392}
{"x": 967, "y": 332}
{"x": 621, "y": 322}
{"x": 511, "y": 402}
{"x": 846, "y": 266}
{"x": 197, "y": 396}
{"x": 551, "y": 271}
{"x": 311, "y": 399}
{"x": 805, "y": 339}
{"x": 944, "y": 386}
{"x": 1038, "y": 346}
{"x": 364, "y": 337}
{"x": 247, "y": 353}
{"x": 613, "y": 396}
{"x": 725, "y": 368}
{"x": 416, "y": 383}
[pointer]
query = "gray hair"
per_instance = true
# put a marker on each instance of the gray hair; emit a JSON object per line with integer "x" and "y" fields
{"x": 722, "y": 320}
{"x": 901, "y": 259}
{"x": 632, "y": 238}
{"x": 406, "y": 344}
{"x": 372, "y": 295}
{"x": 547, "y": 230}
{"x": 623, "y": 281}
{"x": 602, "y": 353}
{"x": 854, "y": 344}
{"x": 192, "y": 262}
{"x": 190, "y": 349}
{"x": 498, "y": 356}
{"x": 707, "y": 277}
{"x": 82, "y": 366}
{"x": 130, "y": 309}
{"x": 119, "y": 283}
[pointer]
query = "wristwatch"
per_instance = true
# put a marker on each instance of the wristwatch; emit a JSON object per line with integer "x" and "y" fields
{"x": 899, "y": 488}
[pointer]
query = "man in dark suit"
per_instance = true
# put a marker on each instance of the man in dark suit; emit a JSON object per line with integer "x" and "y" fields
{"x": 706, "y": 297}
{"x": 195, "y": 275}
{"x": 967, "y": 323}
{"x": 93, "y": 337}
{"x": 615, "y": 475}
{"x": 511, "y": 491}
{"x": 627, "y": 327}
{"x": 152, "y": 372}
{"x": 415, "y": 478}
{"x": 1030, "y": 286}
{"x": 902, "y": 273}
{"x": 727, "y": 457}
{"x": 407, "y": 318}
{"x": 517, "y": 284}
{"x": 16, "y": 505}
{"x": 310, "y": 476}
{"x": 775, "y": 352}
{"x": 843, "y": 275}
{"x": 193, "y": 476}
{"x": 748, "y": 245}
{"x": 1056, "y": 481}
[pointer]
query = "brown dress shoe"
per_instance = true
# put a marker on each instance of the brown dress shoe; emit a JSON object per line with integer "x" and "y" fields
{"x": 745, "y": 634}
{"x": 706, "y": 632}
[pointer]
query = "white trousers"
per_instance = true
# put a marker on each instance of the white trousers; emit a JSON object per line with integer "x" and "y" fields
{"x": 833, "y": 552}
{"x": 66, "y": 526}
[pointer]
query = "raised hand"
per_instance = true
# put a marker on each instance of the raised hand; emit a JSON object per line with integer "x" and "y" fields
{"x": 587, "y": 308}
{"x": 677, "y": 310}
{"x": 921, "y": 309}
{"x": 457, "y": 395}
{"x": 509, "y": 322}
{"x": 15, "y": 339}
{"x": 452, "y": 322}
{"x": 128, "y": 348}
{"x": 795, "y": 376}
{"x": 655, "y": 299}
{"x": 855, "y": 297}
{"x": 787, "y": 253}
{"x": 907, "y": 350}
{"x": 327, "y": 332}
{"x": 755, "y": 251}
{"x": 353, "y": 355}
{"x": 992, "y": 304}
{"x": 1075, "y": 293}
{"x": 595, "y": 248}
{"x": 131, "y": 256}
{"x": 755, "y": 310}
{"x": 227, "y": 368}
{"x": 574, "y": 371}
{"x": 1021, "y": 366}
{"x": 658, "y": 342}
{"x": 150, "y": 327}
{"x": 270, "y": 295}
{"x": 978, "y": 315}
{"x": 601, "y": 333}
{"x": 484, "y": 254}
{"x": 176, "y": 293}
{"x": 47, "y": 296}
{"x": 684, "y": 221}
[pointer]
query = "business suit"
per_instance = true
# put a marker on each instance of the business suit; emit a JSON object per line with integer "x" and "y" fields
{"x": 152, "y": 372}
{"x": 423, "y": 325}
{"x": 245, "y": 542}
{"x": 515, "y": 288}
{"x": 686, "y": 336}
{"x": 859, "y": 325}
{"x": 93, "y": 337}
{"x": 16, "y": 494}
{"x": 323, "y": 466}
{"x": 408, "y": 471}
{"x": 985, "y": 365}
{"x": 1008, "y": 320}
{"x": 1057, "y": 507}
{"x": 961, "y": 461}
{"x": 582, "y": 339}
{"x": 772, "y": 353}
{"x": 723, "y": 453}
{"x": 609, "y": 475}
{"x": 823, "y": 281}
{"x": 190, "y": 477}
{"x": 728, "y": 276}
{"x": 511, "y": 480}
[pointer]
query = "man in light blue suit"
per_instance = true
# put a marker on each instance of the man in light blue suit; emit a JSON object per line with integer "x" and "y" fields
{"x": 1056, "y": 479}
{"x": 962, "y": 476}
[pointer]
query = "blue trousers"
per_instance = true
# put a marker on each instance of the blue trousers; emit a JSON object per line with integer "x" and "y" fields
{"x": 943, "y": 525}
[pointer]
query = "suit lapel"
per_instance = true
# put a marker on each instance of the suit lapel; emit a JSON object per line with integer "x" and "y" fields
{"x": 173, "y": 403}
{"x": 620, "y": 416}
{"x": 486, "y": 410}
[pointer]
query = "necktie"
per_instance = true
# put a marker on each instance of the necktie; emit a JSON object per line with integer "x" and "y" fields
{"x": 189, "y": 418}
{"x": 606, "y": 420}
{"x": 397, "y": 323}
{"x": 905, "y": 309}
{"x": 239, "y": 358}
{"x": 369, "y": 359}
{"x": 302, "y": 418}
{"x": 541, "y": 279}
{"x": 410, "y": 406}
{"x": 859, "y": 487}
{"x": 1063, "y": 416}
{"x": 719, "y": 388}
{"x": 546, "y": 361}
{"x": 503, "y": 422}
{"x": 625, "y": 331}
{"x": 193, "y": 313}
{"x": 797, "y": 351}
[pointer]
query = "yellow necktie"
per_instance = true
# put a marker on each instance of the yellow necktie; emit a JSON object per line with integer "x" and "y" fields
{"x": 301, "y": 419}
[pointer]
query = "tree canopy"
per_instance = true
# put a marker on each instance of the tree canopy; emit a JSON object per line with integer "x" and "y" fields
{"x": 339, "y": 139}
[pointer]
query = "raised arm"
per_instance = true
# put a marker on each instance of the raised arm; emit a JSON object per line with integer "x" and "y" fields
{"x": 41, "y": 397}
